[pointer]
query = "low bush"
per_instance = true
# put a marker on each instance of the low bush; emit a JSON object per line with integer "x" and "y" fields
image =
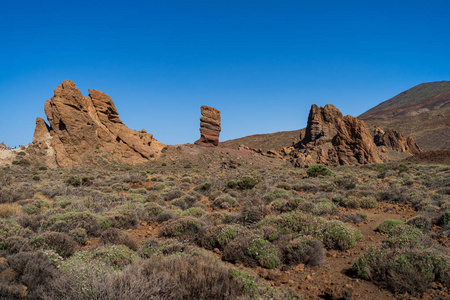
{"x": 187, "y": 227}
{"x": 118, "y": 237}
{"x": 219, "y": 236}
{"x": 318, "y": 170}
{"x": 306, "y": 250}
{"x": 38, "y": 275}
{"x": 444, "y": 218}
{"x": 409, "y": 269}
{"x": 62, "y": 243}
{"x": 252, "y": 250}
{"x": 333, "y": 234}
{"x": 388, "y": 225}
{"x": 224, "y": 201}
{"x": 420, "y": 222}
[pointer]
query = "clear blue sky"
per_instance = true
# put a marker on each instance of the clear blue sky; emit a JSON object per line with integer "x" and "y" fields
{"x": 262, "y": 63}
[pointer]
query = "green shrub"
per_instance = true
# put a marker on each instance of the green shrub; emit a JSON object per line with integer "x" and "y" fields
{"x": 404, "y": 235}
{"x": 244, "y": 183}
{"x": 247, "y": 182}
{"x": 183, "y": 226}
{"x": 444, "y": 219}
{"x": 159, "y": 186}
{"x": 264, "y": 252}
{"x": 368, "y": 202}
{"x": 333, "y": 234}
{"x": 252, "y": 250}
{"x": 388, "y": 225}
{"x": 196, "y": 212}
{"x": 36, "y": 177}
{"x": 220, "y": 236}
{"x": 42, "y": 168}
{"x": 410, "y": 269}
{"x": 318, "y": 170}
{"x": 205, "y": 186}
{"x": 114, "y": 256}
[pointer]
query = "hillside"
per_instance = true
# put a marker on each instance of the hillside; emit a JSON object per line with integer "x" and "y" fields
{"x": 268, "y": 141}
{"x": 422, "y": 112}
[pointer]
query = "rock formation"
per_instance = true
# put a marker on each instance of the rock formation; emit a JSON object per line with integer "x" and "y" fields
{"x": 209, "y": 127}
{"x": 85, "y": 126}
{"x": 331, "y": 138}
{"x": 393, "y": 139}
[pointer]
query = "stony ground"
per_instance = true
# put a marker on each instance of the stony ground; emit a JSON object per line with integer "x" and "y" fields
{"x": 214, "y": 207}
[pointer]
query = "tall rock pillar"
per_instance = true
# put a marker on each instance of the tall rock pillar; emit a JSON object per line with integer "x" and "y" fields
{"x": 209, "y": 127}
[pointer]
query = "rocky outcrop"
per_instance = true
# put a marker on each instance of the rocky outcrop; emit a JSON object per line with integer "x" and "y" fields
{"x": 394, "y": 140}
{"x": 87, "y": 126}
{"x": 331, "y": 138}
{"x": 209, "y": 127}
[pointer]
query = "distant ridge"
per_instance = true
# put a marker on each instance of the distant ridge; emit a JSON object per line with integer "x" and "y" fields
{"x": 422, "y": 112}
{"x": 416, "y": 96}
{"x": 265, "y": 142}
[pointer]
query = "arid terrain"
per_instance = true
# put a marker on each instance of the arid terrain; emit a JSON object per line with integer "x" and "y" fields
{"x": 94, "y": 210}
{"x": 422, "y": 112}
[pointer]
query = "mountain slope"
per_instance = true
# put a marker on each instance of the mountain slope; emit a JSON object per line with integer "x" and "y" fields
{"x": 422, "y": 112}
{"x": 268, "y": 141}
{"x": 425, "y": 94}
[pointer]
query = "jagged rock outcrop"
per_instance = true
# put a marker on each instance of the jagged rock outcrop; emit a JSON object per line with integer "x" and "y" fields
{"x": 86, "y": 126}
{"x": 331, "y": 138}
{"x": 393, "y": 139}
{"x": 209, "y": 127}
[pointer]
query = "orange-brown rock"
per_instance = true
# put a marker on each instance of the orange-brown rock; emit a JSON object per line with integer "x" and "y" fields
{"x": 393, "y": 139}
{"x": 209, "y": 127}
{"x": 84, "y": 126}
{"x": 331, "y": 138}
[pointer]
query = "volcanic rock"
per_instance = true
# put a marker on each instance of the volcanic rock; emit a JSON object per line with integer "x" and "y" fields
{"x": 331, "y": 138}
{"x": 393, "y": 139}
{"x": 209, "y": 127}
{"x": 85, "y": 126}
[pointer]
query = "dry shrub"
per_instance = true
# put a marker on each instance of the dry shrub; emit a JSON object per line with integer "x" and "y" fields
{"x": 187, "y": 227}
{"x": 15, "y": 244}
{"x": 123, "y": 218}
{"x": 62, "y": 243}
{"x": 33, "y": 222}
{"x": 190, "y": 276}
{"x": 306, "y": 250}
{"x": 165, "y": 216}
{"x": 215, "y": 218}
{"x": 224, "y": 201}
{"x": 42, "y": 279}
{"x": 253, "y": 210}
{"x": 118, "y": 237}
{"x": 421, "y": 222}
{"x": 14, "y": 194}
{"x": 9, "y": 209}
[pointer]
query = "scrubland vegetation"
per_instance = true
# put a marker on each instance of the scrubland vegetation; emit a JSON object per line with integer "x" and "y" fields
{"x": 170, "y": 230}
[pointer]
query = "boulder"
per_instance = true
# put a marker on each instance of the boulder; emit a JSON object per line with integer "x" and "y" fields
{"x": 394, "y": 140}
{"x": 209, "y": 127}
{"x": 80, "y": 127}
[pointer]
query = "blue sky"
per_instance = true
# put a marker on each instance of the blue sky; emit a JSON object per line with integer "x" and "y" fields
{"x": 262, "y": 63}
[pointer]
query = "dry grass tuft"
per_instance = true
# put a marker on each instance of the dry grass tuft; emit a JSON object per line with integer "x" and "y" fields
{"x": 9, "y": 209}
